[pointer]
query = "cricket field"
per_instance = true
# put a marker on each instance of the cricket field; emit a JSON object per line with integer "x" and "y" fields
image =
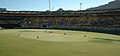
{"x": 46, "y": 42}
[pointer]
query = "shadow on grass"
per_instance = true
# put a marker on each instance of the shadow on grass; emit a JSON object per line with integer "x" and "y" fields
{"x": 104, "y": 40}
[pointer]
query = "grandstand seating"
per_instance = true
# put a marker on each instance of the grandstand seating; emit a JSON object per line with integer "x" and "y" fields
{"x": 62, "y": 19}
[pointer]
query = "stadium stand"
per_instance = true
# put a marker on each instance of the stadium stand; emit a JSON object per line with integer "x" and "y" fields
{"x": 91, "y": 19}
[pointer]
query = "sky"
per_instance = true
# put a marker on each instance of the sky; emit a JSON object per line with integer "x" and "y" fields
{"x": 43, "y": 5}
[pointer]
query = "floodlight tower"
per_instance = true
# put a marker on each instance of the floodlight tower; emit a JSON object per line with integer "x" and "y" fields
{"x": 80, "y": 6}
{"x": 49, "y": 5}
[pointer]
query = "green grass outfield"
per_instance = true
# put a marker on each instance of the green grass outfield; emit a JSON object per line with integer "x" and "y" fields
{"x": 24, "y": 42}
